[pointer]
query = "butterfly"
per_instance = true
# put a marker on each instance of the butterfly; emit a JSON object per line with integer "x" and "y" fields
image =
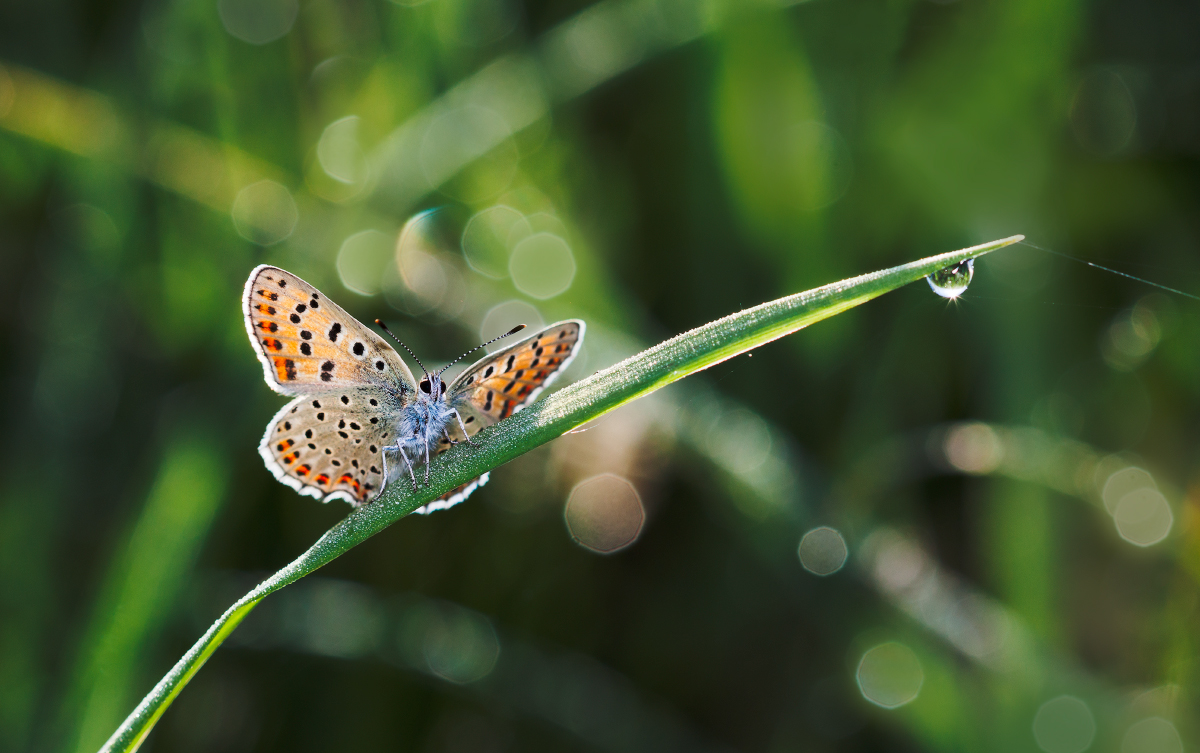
{"x": 359, "y": 414}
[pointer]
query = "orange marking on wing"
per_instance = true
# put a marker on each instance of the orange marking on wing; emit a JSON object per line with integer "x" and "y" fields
{"x": 322, "y": 479}
{"x": 291, "y": 457}
{"x": 285, "y": 369}
{"x": 303, "y": 470}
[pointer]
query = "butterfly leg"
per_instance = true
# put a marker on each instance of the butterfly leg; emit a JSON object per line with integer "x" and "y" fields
{"x": 462, "y": 426}
{"x": 427, "y": 461}
{"x": 407, "y": 462}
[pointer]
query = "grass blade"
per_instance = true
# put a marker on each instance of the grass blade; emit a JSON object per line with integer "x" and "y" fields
{"x": 541, "y": 422}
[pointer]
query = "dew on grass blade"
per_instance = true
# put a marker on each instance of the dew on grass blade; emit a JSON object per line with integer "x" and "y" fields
{"x": 952, "y": 281}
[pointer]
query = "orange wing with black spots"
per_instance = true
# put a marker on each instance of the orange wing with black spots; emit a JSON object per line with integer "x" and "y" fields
{"x": 506, "y": 381}
{"x": 307, "y": 343}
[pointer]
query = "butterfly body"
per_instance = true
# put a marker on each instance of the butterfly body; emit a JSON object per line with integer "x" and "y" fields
{"x": 359, "y": 414}
{"x": 423, "y": 422}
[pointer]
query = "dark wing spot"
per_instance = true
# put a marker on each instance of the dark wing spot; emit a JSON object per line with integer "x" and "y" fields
{"x": 354, "y": 426}
{"x": 539, "y": 351}
{"x": 328, "y": 451}
{"x": 374, "y": 469}
{"x": 374, "y": 401}
{"x": 312, "y": 446}
{"x": 287, "y": 425}
{"x": 305, "y": 334}
{"x": 326, "y": 376}
{"x": 358, "y": 349}
{"x": 345, "y": 400}
{"x": 327, "y": 366}
{"x": 374, "y": 420}
{"x": 471, "y": 379}
{"x": 562, "y": 334}
{"x": 342, "y": 424}
{"x": 300, "y": 308}
{"x": 306, "y": 349}
{"x": 344, "y": 435}
{"x": 509, "y": 365}
{"x": 295, "y": 318}
{"x": 316, "y": 404}
{"x": 289, "y": 367}
{"x": 379, "y": 365}
{"x": 469, "y": 419}
{"x": 334, "y": 331}
{"x": 313, "y": 303}
{"x": 336, "y": 462}
{"x": 373, "y": 449}
{"x": 282, "y": 282}
{"x": 489, "y": 372}
{"x": 308, "y": 434}
{"x": 354, "y": 463}
{"x": 321, "y": 416}
{"x": 520, "y": 373}
{"x": 536, "y": 361}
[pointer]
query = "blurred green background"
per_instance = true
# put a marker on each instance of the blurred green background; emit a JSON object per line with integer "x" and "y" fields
{"x": 923, "y": 525}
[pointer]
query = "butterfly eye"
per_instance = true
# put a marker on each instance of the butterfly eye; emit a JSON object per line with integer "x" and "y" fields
{"x": 441, "y": 388}
{"x": 425, "y": 386}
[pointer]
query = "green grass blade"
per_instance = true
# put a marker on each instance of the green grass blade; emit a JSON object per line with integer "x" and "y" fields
{"x": 541, "y": 422}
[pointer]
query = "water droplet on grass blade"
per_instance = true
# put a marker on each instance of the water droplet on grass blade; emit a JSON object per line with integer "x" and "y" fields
{"x": 952, "y": 281}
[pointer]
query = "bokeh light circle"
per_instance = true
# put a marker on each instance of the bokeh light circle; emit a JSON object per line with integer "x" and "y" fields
{"x": 890, "y": 675}
{"x": 485, "y": 239}
{"x": 1122, "y": 482}
{"x": 542, "y": 266}
{"x": 362, "y": 259}
{"x": 1152, "y": 735}
{"x": 264, "y": 213}
{"x": 339, "y": 152}
{"x": 604, "y": 513}
{"x": 461, "y": 646}
{"x": 1143, "y": 517}
{"x": 258, "y": 21}
{"x": 822, "y": 551}
{"x": 1064, "y": 725}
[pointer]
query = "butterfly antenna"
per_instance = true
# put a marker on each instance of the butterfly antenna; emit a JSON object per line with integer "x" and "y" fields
{"x": 402, "y": 345}
{"x": 512, "y": 331}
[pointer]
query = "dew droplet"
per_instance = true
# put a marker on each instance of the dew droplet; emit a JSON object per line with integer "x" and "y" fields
{"x": 952, "y": 281}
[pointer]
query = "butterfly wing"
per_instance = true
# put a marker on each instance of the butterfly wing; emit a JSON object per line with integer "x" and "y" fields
{"x": 503, "y": 383}
{"x": 329, "y": 445}
{"x": 307, "y": 343}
